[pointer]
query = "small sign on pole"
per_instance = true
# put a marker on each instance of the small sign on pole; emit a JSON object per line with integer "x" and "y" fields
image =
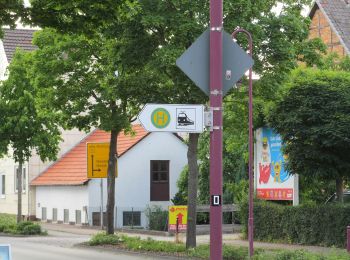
{"x": 97, "y": 160}
{"x": 172, "y": 118}
{"x": 177, "y": 218}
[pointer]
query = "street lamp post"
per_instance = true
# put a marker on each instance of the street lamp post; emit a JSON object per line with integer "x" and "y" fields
{"x": 250, "y": 167}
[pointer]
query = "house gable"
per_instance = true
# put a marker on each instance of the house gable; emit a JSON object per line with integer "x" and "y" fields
{"x": 71, "y": 168}
{"x": 330, "y": 22}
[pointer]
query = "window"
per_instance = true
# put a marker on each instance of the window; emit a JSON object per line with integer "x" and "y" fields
{"x": 78, "y": 217}
{"x": 54, "y": 215}
{"x": 96, "y": 218}
{"x": 43, "y": 214}
{"x": 66, "y": 216}
{"x": 3, "y": 185}
{"x": 24, "y": 179}
{"x": 159, "y": 180}
{"x": 131, "y": 218}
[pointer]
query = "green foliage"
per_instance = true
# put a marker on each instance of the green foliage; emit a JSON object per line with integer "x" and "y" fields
{"x": 10, "y": 12}
{"x": 309, "y": 224}
{"x": 157, "y": 217}
{"x": 314, "y": 191}
{"x": 8, "y": 225}
{"x": 149, "y": 244}
{"x": 313, "y": 118}
{"x": 181, "y": 195}
{"x": 23, "y": 125}
{"x": 234, "y": 167}
{"x": 104, "y": 239}
{"x": 30, "y": 229}
{"x": 202, "y": 251}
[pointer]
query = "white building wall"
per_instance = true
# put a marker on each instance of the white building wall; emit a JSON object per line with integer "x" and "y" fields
{"x": 62, "y": 197}
{"x": 133, "y": 182}
{"x": 8, "y": 203}
{"x": 3, "y": 61}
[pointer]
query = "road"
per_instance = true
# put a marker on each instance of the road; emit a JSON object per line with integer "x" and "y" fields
{"x": 59, "y": 245}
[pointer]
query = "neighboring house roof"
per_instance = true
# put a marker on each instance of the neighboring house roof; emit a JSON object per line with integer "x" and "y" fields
{"x": 337, "y": 13}
{"x": 71, "y": 168}
{"x": 17, "y": 38}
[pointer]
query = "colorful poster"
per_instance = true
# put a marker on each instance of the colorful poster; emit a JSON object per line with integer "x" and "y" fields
{"x": 273, "y": 182}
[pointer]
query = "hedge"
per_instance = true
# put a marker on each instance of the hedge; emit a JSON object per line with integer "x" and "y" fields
{"x": 323, "y": 225}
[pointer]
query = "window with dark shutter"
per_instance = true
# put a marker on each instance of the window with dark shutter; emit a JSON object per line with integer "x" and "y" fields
{"x": 160, "y": 180}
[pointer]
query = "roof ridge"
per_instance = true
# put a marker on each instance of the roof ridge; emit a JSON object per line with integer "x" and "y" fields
{"x": 55, "y": 174}
{"x": 64, "y": 154}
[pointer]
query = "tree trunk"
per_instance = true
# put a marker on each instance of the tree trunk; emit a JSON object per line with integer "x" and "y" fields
{"x": 19, "y": 192}
{"x": 192, "y": 190}
{"x": 111, "y": 182}
{"x": 339, "y": 188}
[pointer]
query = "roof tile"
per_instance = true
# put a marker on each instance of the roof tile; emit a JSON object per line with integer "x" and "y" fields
{"x": 18, "y": 38}
{"x": 71, "y": 168}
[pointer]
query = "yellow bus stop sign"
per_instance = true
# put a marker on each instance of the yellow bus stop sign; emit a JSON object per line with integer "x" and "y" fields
{"x": 97, "y": 160}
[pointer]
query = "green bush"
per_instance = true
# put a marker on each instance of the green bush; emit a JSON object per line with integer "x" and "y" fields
{"x": 8, "y": 225}
{"x": 23, "y": 224}
{"x": 203, "y": 252}
{"x": 33, "y": 229}
{"x": 157, "y": 217}
{"x": 103, "y": 239}
{"x": 309, "y": 224}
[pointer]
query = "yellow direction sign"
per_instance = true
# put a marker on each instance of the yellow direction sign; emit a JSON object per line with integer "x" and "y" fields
{"x": 97, "y": 160}
{"x": 177, "y": 216}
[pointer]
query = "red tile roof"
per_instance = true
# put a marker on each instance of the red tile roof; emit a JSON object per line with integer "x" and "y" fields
{"x": 71, "y": 168}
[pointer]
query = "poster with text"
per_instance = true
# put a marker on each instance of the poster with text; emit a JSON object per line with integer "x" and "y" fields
{"x": 273, "y": 182}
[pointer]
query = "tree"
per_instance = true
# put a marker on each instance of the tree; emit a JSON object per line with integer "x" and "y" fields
{"x": 176, "y": 24}
{"x": 77, "y": 76}
{"x": 10, "y": 12}
{"x": 23, "y": 127}
{"x": 312, "y": 116}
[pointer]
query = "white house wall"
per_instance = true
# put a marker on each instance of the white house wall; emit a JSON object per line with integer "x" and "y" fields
{"x": 69, "y": 139}
{"x": 3, "y": 61}
{"x": 8, "y": 202}
{"x": 62, "y": 197}
{"x": 133, "y": 182}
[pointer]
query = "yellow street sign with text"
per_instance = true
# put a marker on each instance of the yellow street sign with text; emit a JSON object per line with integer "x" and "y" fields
{"x": 177, "y": 216}
{"x": 97, "y": 160}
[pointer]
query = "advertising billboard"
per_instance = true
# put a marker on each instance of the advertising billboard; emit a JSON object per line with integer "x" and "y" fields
{"x": 272, "y": 181}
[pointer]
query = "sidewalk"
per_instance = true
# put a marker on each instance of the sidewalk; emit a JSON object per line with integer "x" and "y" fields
{"x": 229, "y": 239}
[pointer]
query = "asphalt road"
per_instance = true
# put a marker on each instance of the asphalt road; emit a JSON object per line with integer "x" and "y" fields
{"x": 59, "y": 245}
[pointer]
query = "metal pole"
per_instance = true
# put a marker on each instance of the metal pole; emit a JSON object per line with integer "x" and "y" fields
{"x": 215, "y": 74}
{"x": 251, "y": 146}
{"x": 101, "y": 210}
{"x": 348, "y": 239}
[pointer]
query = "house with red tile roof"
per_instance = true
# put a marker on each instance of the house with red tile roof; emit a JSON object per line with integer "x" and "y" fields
{"x": 149, "y": 165}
